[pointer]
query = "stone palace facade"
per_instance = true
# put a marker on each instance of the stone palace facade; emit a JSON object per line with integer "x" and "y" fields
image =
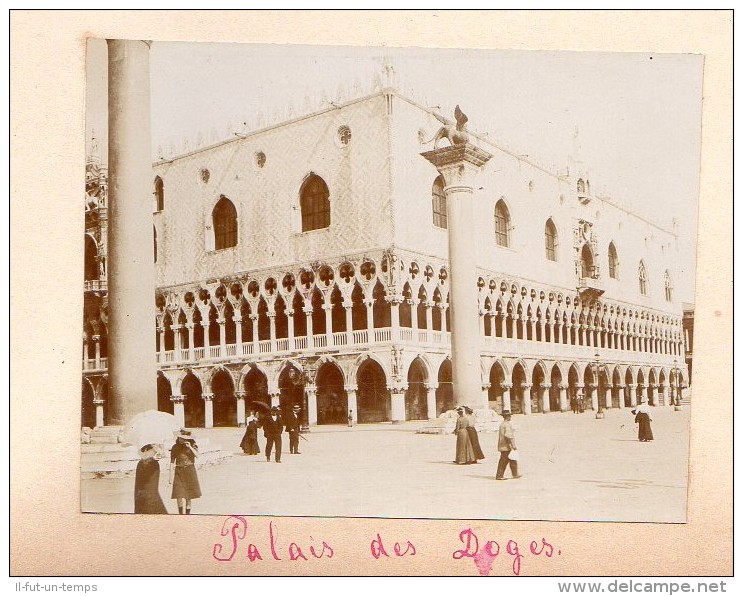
{"x": 307, "y": 263}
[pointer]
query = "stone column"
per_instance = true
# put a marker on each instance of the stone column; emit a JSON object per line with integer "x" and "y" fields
{"x": 545, "y": 387}
{"x": 607, "y": 396}
{"x": 506, "y": 395}
{"x": 191, "y": 355}
{"x": 308, "y": 321}
{"x": 397, "y": 395}
{"x": 431, "y": 401}
{"x": 272, "y": 329}
{"x": 349, "y": 326}
{"x": 620, "y": 393}
{"x": 485, "y": 393}
{"x": 222, "y": 322}
{"x": 414, "y": 317}
{"x": 311, "y": 390}
{"x": 290, "y": 330}
{"x": 98, "y": 403}
{"x": 594, "y": 389}
{"x": 176, "y": 342}
{"x": 85, "y": 353}
{"x": 444, "y": 326}
{"x": 526, "y": 395}
{"x": 205, "y": 334}
{"x": 132, "y": 368}
{"x": 238, "y": 321}
{"x": 429, "y": 314}
{"x": 328, "y": 324}
{"x": 632, "y": 394}
{"x": 352, "y": 405}
{"x": 208, "y": 409}
{"x": 395, "y": 318}
{"x": 97, "y": 345}
{"x": 254, "y": 321}
{"x": 161, "y": 331}
{"x": 275, "y": 399}
{"x": 563, "y": 397}
{"x": 240, "y": 396}
{"x": 458, "y": 165}
{"x": 178, "y": 410}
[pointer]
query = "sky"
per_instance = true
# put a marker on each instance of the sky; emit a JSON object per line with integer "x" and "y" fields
{"x": 637, "y": 116}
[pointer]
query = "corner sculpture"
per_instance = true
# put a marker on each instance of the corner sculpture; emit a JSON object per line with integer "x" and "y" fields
{"x": 455, "y": 134}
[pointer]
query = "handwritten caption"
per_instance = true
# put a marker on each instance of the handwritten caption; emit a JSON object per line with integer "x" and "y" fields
{"x": 236, "y": 542}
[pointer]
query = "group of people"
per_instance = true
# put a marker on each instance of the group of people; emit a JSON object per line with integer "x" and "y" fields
{"x": 273, "y": 425}
{"x": 578, "y": 403}
{"x": 182, "y": 476}
{"x": 468, "y": 442}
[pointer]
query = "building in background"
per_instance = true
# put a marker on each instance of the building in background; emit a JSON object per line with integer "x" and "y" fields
{"x": 307, "y": 263}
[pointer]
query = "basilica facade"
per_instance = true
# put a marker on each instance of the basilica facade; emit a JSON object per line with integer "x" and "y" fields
{"x": 306, "y": 264}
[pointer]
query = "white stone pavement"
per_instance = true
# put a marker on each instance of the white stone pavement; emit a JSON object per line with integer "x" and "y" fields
{"x": 574, "y": 468}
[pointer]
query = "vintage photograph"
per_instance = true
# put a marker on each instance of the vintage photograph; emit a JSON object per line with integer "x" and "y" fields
{"x": 388, "y": 282}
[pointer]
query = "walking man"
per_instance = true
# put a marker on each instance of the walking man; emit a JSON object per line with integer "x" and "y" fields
{"x": 292, "y": 427}
{"x": 507, "y": 448}
{"x": 272, "y": 429}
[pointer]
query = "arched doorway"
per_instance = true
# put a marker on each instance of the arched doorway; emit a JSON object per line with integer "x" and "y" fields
{"x": 651, "y": 388}
{"x": 590, "y": 388}
{"x": 616, "y": 392}
{"x": 372, "y": 397}
{"x": 415, "y": 397}
{"x": 332, "y": 401}
{"x": 517, "y": 391}
{"x": 555, "y": 380}
{"x": 628, "y": 381}
{"x": 224, "y": 405}
{"x": 291, "y": 389}
{"x": 640, "y": 389}
{"x": 88, "y": 407}
{"x": 537, "y": 391}
{"x": 164, "y": 393}
{"x": 495, "y": 392}
{"x": 256, "y": 388}
{"x": 193, "y": 405}
{"x": 573, "y": 386}
{"x": 91, "y": 258}
{"x": 445, "y": 390}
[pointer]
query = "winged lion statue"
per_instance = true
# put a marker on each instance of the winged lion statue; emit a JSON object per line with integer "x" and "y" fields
{"x": 456, "y": 134}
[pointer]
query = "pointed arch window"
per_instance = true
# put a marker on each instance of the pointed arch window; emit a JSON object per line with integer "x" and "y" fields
{"x": 669, "y": 287}
{"x": 550, "y": 240}
{"x": 613, "y": 261}
{"x": 224, "y": 219}
{"x": 642, "y": 274}
{"x": 314, "y": 203}
{"x": 502, "y": 224}
{"x": 159, "y": 194}
{"x": 439, "y": 204}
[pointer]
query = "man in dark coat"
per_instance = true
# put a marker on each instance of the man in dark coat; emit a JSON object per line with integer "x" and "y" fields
{"x": 292, "y": 427}
{"x": 272, "y": 429}
{"x": 506, "y": 444}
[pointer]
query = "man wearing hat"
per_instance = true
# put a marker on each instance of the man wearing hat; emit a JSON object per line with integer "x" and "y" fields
{"x": 507, "y": 448}
{"x": 292, "y": 427}
{"x": 272, "y": 429}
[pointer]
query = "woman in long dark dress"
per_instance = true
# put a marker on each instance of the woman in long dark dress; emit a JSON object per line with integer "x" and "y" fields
{"x": 465, "y": 453}
{"x": 146, "y": 483}
{"x": 183, "y": 471}
{"x": 472, "y": 431}
{"x": 249, "y": 444}
{"x": 643, "y": 419}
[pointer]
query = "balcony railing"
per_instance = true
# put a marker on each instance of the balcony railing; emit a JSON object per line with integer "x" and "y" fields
{"x": 96, "y": 285}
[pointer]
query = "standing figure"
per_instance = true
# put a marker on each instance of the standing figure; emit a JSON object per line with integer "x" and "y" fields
{"x": 292, "y": 427}
{"x": 272, "y": 429}
{"x": 146, "y": 483}
{"x": 249, "y": 444}
{"x": 472, "y": 431}
{"x": 183, "y": 471}
{"x": 465, "y": 454}
{"x": 350, "y": 418}
{"x": 507, "y": 448}
{"x": 643, "y": 419}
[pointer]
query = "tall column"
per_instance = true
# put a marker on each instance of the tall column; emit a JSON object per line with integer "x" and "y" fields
{"x": 444, "y": 326}
{"x": 349, "y": 324}
{"x": 178, "y": 410}
{"x": 240, "y": 396}
{"x": 290, "y": 330}
{"x": 563, "y": 397}
{"x": 485, "y": 392}
{"x": 620, "y": 394}
{"x": 526, "y": 395}
{"x": 254, "y": 320}
{"x": 370, "y": 321}
{"x": 594, "y": 389}
{"x": 397, "y": 413}
{"x": 161, "y": 331}
{"x": 429, "y": 304}
{"x": 238, "y": 335}
{"x": 311, "y": 390}
{"x": 352, "y": 405}
{"x": 208, "y": 409}
{"x": 458, "y": 165}
{"x": 395, "y": 318}
{"x": 222, "y": 322}
{"x": 205, "y": 334}
{"x": 632, "y": 394}
{"x": 191, "y": 355}
{"x": 431, "y": 401}
{"x": 308, "y": 320}
{"x": 272, "y": 329}
{"x": 328, "y": 323}
{"x": 98, "y": 403}
{"x": 97, "y": 345}
{"x": 545, "y": 387}
{"x": 132, "y": 368}
{"x": 506, "y": 395}
{"x": 85, "y": 353}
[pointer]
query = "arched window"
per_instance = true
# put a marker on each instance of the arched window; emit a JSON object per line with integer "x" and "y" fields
{"x": 502, "y": 224}
{"x": 669, "y": 287}
{"x": 550, "y": 240}
{"x": 586, "y": 262}
{"x": 314, "y": 204}
{"x": 159, "y": 194}
{"x": 643, "y": 277}
{"x": 439, "y": 203}
{"x": 613, "y": 261}
{"x": 224, "y": 220}
{"x": 91, "y": 258}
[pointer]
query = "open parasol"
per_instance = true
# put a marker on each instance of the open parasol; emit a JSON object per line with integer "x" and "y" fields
{"x": 152, "y": 427}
